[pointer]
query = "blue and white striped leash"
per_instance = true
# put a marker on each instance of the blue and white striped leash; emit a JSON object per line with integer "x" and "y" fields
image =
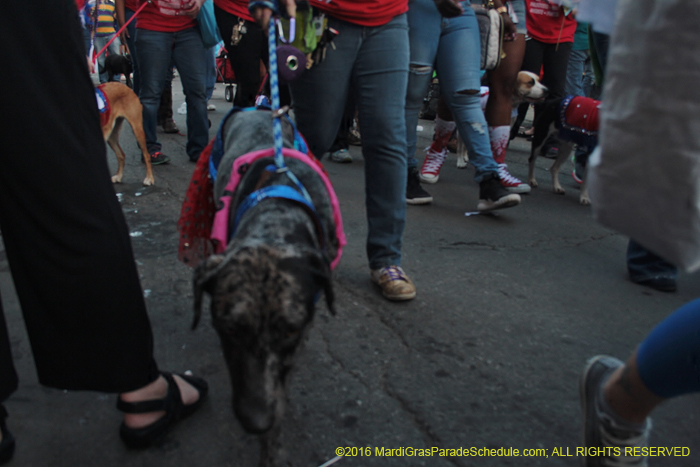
{"x": 277, "y": 112}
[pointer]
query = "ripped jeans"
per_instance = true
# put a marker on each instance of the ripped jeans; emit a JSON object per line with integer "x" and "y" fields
{"x": 452, "y": 47}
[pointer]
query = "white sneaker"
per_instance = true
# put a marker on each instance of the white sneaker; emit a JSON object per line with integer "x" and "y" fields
{"x": 211, "y": 107}
{"x": 430, "y": 170}
{"x": 510, "y": 183}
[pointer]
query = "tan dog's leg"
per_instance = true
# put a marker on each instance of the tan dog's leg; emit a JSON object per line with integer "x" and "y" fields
{"x": 462, "y": 154}
{"x": 565, "y": 148}
{"x": 113, "y": 142}
{"x": 134, "y": 116}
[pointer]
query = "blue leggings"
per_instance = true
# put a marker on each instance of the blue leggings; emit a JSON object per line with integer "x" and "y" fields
{"x": 669, "y": 358}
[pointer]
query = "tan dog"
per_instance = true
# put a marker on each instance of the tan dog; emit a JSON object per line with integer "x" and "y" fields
{"x": 121, "y": 103}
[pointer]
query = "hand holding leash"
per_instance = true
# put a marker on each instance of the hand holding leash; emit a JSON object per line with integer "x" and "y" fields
{"x": 262, "y": 10}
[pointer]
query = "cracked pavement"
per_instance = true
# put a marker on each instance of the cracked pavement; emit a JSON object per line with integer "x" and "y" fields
{"x": 509, "y": 308}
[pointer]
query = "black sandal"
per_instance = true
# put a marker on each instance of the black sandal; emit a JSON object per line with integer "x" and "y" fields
{"x": 7, "y": 445}
{"x": 175, "y": 410}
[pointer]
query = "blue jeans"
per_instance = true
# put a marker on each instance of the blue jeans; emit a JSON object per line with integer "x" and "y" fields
{"x": 452, "y": 46}
{"x": 210, "y": 58}
{"x": 374, "y": 60}
{"x": 643, "y": 264}
{"x": 100, "y": 42}
{"x": 157, "y": 50}
{"x": 579, "y": 74}
{"x": 131, "y": 43}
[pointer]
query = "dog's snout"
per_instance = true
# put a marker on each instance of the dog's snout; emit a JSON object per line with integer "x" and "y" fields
{"x": 254, "y": 418}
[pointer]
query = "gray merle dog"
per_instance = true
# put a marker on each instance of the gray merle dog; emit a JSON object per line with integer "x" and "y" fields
{"x": 264, "y": 286}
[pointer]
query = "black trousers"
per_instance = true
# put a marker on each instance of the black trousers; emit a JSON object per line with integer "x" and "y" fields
{"x": 245, "y": 59}
{"x": 65, "y": 235}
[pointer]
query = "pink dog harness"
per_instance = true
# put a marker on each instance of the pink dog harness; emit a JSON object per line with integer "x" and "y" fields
{"x": 220, "y": 228}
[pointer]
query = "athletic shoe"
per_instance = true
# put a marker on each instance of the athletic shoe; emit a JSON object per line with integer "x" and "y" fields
{"x": 158, "y": 158}
{"x": 342, "y": 156}
{"x": 211, "y": 107}
{"x": 415, "y": 194}
{"x": 493, "y": 196}
{"x": 510, "y": 183}
{"x": 394, "y": 283}
{"x": 430, "y": 171}
{"x": 605, "y": 441}
{"x": 169, "y": 126}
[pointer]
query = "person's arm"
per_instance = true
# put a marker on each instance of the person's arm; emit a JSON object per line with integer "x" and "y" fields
{"x": 510, "y": 29}
{"x": 121, "y": 19}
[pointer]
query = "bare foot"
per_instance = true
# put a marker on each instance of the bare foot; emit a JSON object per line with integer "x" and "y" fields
{"x": 154, "y": 391}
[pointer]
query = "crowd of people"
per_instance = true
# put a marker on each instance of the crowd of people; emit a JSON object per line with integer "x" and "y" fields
{"x": 377, "y": 73}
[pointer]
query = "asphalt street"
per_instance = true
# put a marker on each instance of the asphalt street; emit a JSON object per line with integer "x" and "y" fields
{"x": 488, "y": 355}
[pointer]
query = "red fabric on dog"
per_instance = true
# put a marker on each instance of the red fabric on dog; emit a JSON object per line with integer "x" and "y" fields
{"x": 582, "y": 113}
{"x": 102, "y": 104}
{"x": 197, "y": 214}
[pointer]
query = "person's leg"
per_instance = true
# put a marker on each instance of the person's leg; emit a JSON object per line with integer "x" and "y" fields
{"x": 381, "y": 74}
{"x": 647, "y": 268}
{"x": 210, "y": 57}
{"x": 319, "y": 96}
{"x": 61, "y": 222}
{"x": 499, "y": 109}
{"x": 574, "y": 73}
{"x": 114, "y": 49}
{"x": 131, "y": 44}
{"x": 424, "y": 33}
{"x": 458, "y": 69}
{"x": 165, "y": 109}
{"x": 245, "y": 57}
{"x": 155, "y": 54}
{"x": 554, "y": 64}
{"x": 189, "y": 57}
{"x": 100, "y": 42}
{"x": 620, "y": 397}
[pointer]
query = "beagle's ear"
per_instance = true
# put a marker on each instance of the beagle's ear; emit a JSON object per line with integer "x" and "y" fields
{"x": 204, "y": 280}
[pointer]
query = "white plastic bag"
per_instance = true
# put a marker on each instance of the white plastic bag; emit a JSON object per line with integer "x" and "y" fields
{"x": 644, "y": 178}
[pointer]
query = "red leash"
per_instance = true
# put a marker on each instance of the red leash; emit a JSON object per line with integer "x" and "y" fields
{"x": 116, "y": 34}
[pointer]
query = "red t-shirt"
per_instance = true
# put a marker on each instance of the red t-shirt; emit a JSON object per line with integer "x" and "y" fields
{"x": 235, "y": 7}
{"x": 152, "y": 19}
{"x": 132, "y": 5}
{"x": 546, "y": 22}
{"x": 363, "y": 12}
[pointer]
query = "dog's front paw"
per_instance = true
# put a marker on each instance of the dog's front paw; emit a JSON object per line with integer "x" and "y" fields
{"x": 559, "y": 190}
{"x": 585, "y": 201}
{"x": 149, "y": 181}
{"x": 533, "y": 183}
{"x": 117, "y": 179}
{"x": 462, "y": 161}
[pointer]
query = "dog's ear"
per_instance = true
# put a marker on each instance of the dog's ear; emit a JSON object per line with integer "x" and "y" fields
{"x": 321, "y": 271}
{"x": 204, "y": 280}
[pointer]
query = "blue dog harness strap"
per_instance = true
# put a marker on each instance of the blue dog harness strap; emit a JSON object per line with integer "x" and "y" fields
{"x": 277, "y": 191}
